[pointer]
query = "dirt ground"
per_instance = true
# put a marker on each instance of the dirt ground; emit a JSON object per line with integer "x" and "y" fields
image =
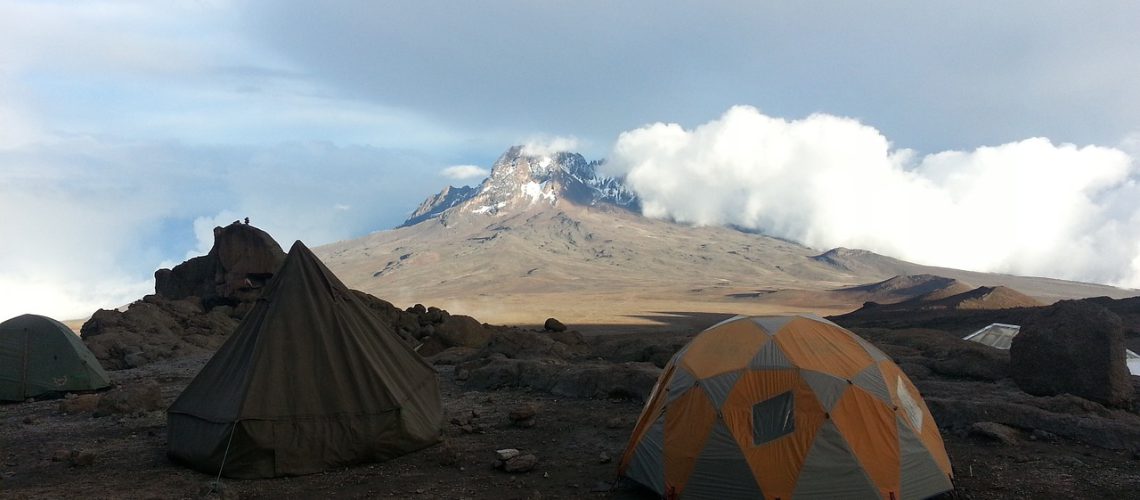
{"x": 577, "y": 442}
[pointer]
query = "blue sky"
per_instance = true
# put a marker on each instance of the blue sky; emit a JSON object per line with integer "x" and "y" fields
{"x": 129, "y": 128}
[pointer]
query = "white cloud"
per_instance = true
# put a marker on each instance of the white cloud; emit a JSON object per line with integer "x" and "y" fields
{"x": 464, "y": 172}
{"x": 1026, "y": 207}
{"x": 546, "y": 146}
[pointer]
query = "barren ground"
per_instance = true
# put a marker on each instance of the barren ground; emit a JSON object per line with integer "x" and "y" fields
{"x": 569, "y": 439}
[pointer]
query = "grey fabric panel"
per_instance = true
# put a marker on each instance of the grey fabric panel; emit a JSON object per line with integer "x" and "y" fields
{"x": 875, "y": 353}
{"x": 648, "y": 463}
{"x": 871, "y": 380}
{"x": 831, "y": 470}
{"x": 768, "y": 357}
{"x": 721, "y": 471}
{"x": 827, "y": 388}
{"x": 773, "y": 418}
{"x": 920, "y": 476}
{"x": 727, "y": 321}
{"x": 718, "y": 387}
{"x": 772, "y": 324}
{"x": 682, "y": 381}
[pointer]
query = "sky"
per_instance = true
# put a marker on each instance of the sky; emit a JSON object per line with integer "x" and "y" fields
{"x": 997, "y": 136}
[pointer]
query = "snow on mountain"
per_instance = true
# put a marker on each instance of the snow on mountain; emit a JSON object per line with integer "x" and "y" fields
{"x": 519, "y": 180}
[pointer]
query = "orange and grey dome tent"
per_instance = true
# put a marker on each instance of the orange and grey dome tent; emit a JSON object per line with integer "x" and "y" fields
{"x": 782, "y": 407}
{"x": 310, "y": 380}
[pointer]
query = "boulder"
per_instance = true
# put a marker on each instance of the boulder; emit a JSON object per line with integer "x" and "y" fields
{"x": 241, "y": 261}
{"x": 1074, "y": 347}
{"x": 462, "y": 331}
{"x": 553, "y": 325}
{"x": 131, "y": 399}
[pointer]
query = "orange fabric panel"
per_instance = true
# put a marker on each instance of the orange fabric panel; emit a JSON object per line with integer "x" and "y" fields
{"x": 723, "y": 349}
{"x": 688, "y": 422}
{"x": 777, "y": 463}
{"x": 649, "y": 415}
{"x": 821, "y": 347}
{"x": 929, "y": 435}
{"x": 870, "y": 428}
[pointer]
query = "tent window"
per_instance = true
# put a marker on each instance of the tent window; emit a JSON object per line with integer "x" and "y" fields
{"x": 773, "y": 418}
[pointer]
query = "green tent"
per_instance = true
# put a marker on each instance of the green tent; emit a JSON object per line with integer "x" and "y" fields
{"x": 39, "y": 355}
{"x": 310, "y": 380}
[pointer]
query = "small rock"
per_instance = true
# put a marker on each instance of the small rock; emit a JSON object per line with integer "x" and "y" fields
{"x": 507, "y": 453}
{"x": 553, "y": 325}
{"x": 604, "y": 458}
{"x": 29, "y": 420}
{"x": 523, "y": 415}
{"x": 998, "y": 432}
{"x": 81, "y": 458}
{"x": 61, "y": 455}
{"x": 521, "y": 463}
{"x": 1040, "y": 435}
{"x": 1070, "y": 461}
{"x": 615, "y": 423}
{"x": 85, "y": 403}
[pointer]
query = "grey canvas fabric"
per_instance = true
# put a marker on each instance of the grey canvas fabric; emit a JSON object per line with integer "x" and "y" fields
{"x": 920, "y": 476}
{"x": 831, "y": 471}
{"x": 309, "y": 380}
{"x": 721, "y": 472}
{"x": 827, "y": 388}
{"x": 772, "y": 324}
{"x": 647, "y": 465}
{"x": 769, "y": 357}
{"x": 717, "y": 387}
{"x": 871, "y": 380}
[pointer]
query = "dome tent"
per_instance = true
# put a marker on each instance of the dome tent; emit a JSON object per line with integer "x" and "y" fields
{"x": 784, "y": 407}
{"x": 39, "y": 355}
{"x": 311, "y": 379}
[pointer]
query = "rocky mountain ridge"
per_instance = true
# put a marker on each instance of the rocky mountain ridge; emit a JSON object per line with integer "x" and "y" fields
{"x": 521, "y": 178}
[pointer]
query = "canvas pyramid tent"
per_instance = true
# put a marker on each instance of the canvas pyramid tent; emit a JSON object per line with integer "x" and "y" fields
{"x": 309, "y": 380}
{"x": 785, "y": 407}
{"x": 39, "y": 355}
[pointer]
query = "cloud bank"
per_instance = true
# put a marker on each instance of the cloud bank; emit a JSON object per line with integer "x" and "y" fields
{"x": 1027, "y": 207}
{"x": 464, "y": 172}
{"x": 86, "y": 222}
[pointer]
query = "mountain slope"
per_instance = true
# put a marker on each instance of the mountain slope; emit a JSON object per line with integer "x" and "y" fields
{"x": 546, "y": 235}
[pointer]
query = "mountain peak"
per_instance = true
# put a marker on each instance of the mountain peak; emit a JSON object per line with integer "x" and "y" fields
{"x": 521, "y": 179}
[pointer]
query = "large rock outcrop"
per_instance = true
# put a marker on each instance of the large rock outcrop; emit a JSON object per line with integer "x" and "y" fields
{"x": 1074, "y": 347}
{"x": 195, "y": 305}
{"x": 241, "y": 261}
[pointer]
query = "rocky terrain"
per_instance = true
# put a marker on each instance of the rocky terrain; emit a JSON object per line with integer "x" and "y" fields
{"x": 569, "y": 400}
